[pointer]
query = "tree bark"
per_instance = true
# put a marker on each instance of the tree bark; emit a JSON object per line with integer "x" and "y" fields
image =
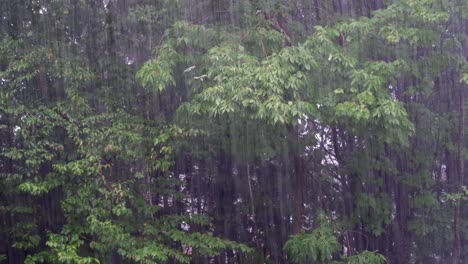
{"x": 461, "y": 176}
{"x": 298, "y": 201}
{"x": 299, "y": 171}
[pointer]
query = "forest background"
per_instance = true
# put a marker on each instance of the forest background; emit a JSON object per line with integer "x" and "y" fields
{"x": 221, "y": 131}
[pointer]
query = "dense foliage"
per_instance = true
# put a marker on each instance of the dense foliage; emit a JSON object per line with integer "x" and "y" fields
{"x": 216, "y": 131}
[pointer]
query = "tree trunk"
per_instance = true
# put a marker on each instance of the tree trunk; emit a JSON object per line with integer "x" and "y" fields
{"x": 461, "y": 176}
{"x": 299, "y": 171}
{"x": 298, "y": 199}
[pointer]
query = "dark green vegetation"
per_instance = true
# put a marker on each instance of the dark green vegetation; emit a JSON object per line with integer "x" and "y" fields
{"x": 216, "y": 131}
